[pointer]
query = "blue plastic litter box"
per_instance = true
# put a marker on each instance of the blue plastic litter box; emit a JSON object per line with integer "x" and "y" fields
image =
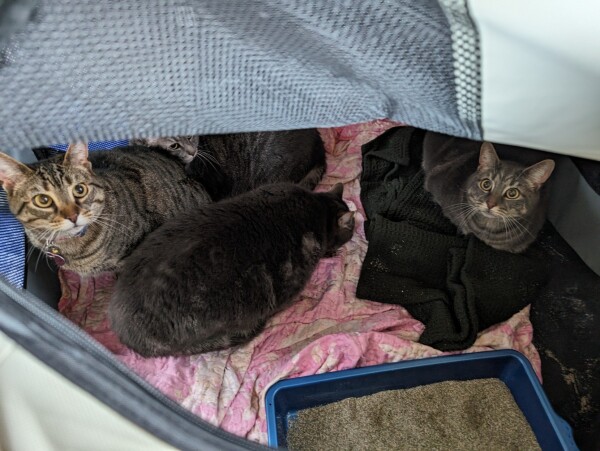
{"x": 285, "y": 398}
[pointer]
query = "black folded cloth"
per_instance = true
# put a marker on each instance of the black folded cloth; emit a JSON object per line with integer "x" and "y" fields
{"x": 456, "y": 285}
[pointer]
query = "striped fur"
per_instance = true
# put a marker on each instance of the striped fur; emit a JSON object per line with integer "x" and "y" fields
{"x": 131, "y": 191}
{"x": 474, "y": 192}
{"x": 232, "y": 164}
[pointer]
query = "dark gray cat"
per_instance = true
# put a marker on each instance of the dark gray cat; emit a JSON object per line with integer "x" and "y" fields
{"x": 232, "y": 164}
{"x": 210, "y": 278}
{"x": 501, "y": 202}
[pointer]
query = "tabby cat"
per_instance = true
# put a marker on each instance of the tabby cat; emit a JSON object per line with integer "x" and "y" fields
{"x": 183, "y": 147}
{"x": 501, "y": 202}
{"x": 87, "y": 212}
{"x": 232, "y": 164}
{"x": 210, "y": 278}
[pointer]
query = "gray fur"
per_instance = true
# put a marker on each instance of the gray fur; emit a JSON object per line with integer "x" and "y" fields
{"x": 132, "y": 190}
{"x": 183, "y": 147}
{"x": 210, "y": 278}
{"x": 232, "y": 164}
{"x": 456, "y": 178}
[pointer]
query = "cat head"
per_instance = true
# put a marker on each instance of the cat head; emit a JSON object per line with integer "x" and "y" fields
{"x": 505, "y": 189}
{"x": 182, "y": 147}
{"x": 56, "y": 198}
{"x": 341, "y": 224}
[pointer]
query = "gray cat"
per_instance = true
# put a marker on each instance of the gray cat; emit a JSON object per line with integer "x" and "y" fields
{"x": 88, "y": 211}
{"x": 501, "y": 202}
{"x": 183, "y": 147}
{"x": 211, "y": 277}
{"x": 232, "y": 164}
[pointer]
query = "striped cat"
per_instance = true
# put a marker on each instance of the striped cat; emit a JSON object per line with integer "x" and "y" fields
{"x": 88, "y": 211}
{"x": 501, "y": 202}
{"x": 235, "y": 163}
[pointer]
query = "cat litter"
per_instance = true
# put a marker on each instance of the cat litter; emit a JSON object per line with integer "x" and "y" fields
{"x": 488, "y": 400}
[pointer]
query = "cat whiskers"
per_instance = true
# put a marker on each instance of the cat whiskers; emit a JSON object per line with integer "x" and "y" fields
{"x": 467, "y": 216}
{"x": 459, "y": 206}
{"x": 42, "y": 237}
{"x": 46, "y": 237}
{"x": 521, "y": 226}
{"x": 515, "y": 224}
{"x": 464, "y": 211}
{"x": 112, "y": 224}
{"x": 207, "y": 157}
{"x": 507, "y": 227}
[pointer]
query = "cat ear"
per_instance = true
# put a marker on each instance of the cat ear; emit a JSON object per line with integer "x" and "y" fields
{"x": 337, "y": 190}
{"x": 11, "y": 171}
{"x": 346, "y": 221}
{"x": 77, "y": 155}
{"x": 539, "y": 173}
{"x": 488, "y": 158}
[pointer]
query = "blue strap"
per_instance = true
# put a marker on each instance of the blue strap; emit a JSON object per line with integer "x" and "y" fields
{"x": 98, "y": 145}
{"x": 12, "y": 245}
{"x": 12, "y": 236}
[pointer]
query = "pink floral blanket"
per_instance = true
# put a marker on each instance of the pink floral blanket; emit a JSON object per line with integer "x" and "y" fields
{"x": 328, "y": 329}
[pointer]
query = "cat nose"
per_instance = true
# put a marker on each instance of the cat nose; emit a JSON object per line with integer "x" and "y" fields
{"x": 73, "y": 218}
{"x": 491, "y": 203}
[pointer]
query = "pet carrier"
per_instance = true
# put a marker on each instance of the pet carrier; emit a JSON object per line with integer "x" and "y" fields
{"x": 518, "y": 74}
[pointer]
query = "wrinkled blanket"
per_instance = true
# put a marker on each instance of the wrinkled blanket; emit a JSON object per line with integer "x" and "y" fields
{"x": 454, "y": 284}
{"x": 328, "y": 329}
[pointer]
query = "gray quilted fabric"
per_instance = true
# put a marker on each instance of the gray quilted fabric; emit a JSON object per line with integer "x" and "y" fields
{"x": 99, "y": 70}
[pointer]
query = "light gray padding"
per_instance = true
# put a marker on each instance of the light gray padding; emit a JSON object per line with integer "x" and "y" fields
{"x": 113, "y": 70}
{"x": 575, "y": 211}
{"x": 467, "y": 72}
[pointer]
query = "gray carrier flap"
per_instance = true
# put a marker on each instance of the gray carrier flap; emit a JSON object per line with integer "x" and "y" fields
{"x": 62, "y": 346}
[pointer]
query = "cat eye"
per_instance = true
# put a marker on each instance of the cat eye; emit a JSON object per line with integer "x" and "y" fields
{"x": 42, "y": 201}
{"x": 512, "y": 193}
{"x": 80, "y": 190}
{"x": 485, "y": 184}
{"x": 174, "y": 146}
